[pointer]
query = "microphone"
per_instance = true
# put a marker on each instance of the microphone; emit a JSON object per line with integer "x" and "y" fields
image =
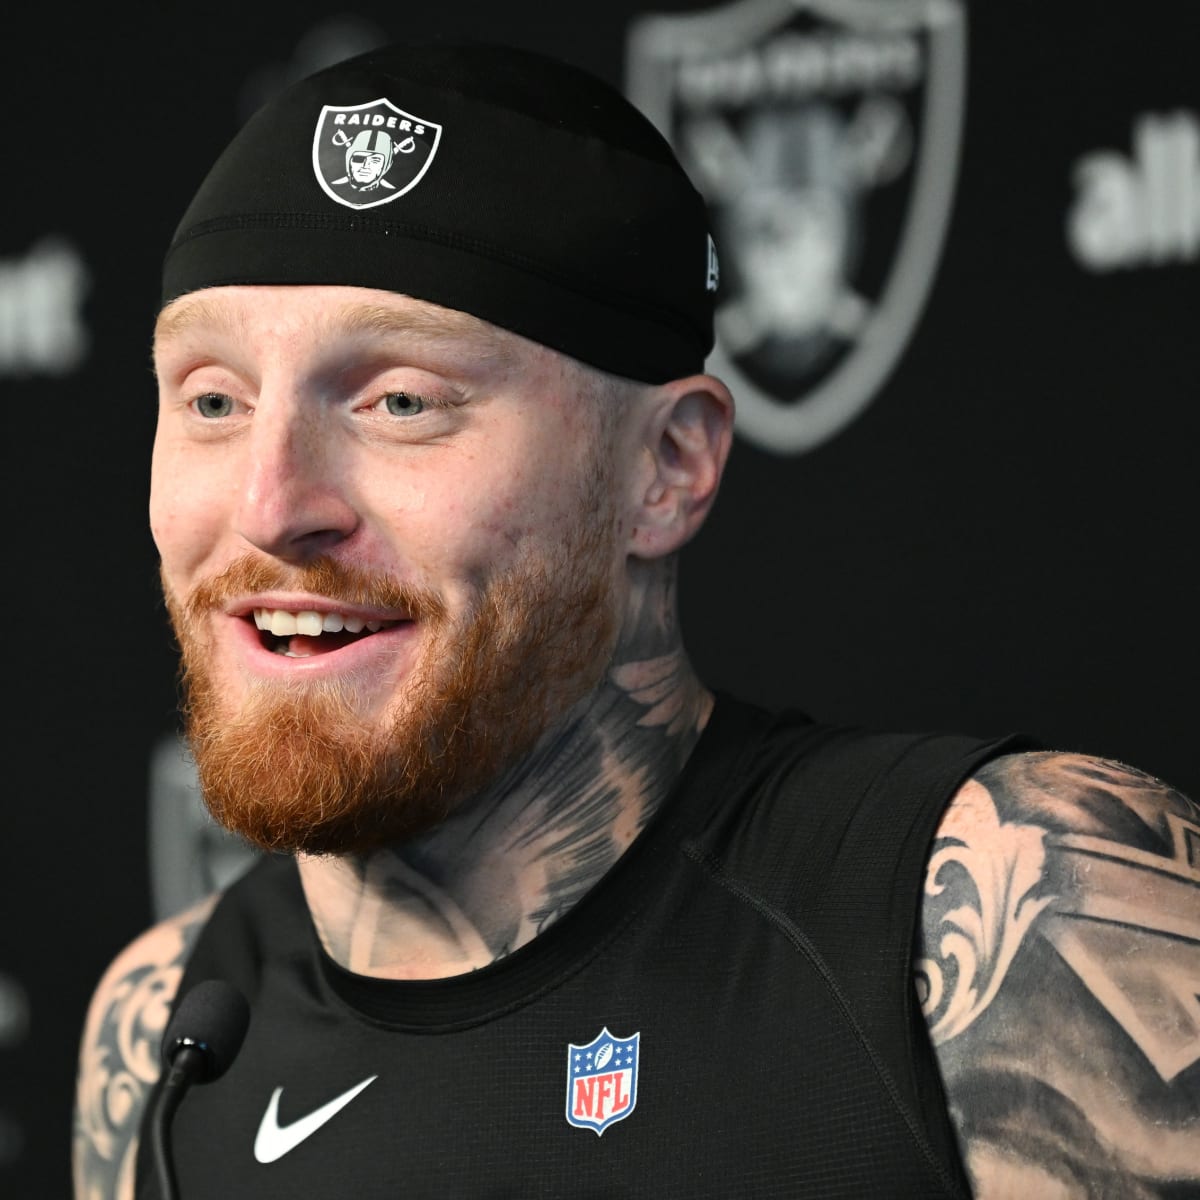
{"x": 201, "y": 1042}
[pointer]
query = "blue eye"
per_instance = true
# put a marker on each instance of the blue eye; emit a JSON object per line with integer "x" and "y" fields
{"x": 213, "y": 404}
{"x": 402, "y": 404}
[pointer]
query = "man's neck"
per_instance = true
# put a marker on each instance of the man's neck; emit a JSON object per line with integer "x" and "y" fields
{"x": 508, "y": 864}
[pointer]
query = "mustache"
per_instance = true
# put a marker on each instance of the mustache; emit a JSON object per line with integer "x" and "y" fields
{"x": 340, "y": 582}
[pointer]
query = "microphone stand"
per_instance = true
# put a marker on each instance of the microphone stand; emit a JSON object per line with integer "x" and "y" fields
{"x": 187, "y": 1065}
{"x": 202, "y": 1039}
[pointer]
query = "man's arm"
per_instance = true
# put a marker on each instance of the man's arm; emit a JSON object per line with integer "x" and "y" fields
{"x": 1059, "y": 972}
{"x": 119, "y": 1054}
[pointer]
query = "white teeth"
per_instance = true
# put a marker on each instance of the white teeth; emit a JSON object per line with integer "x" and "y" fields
{"x": 309, "y": 624}
{"x": 283, "y": 624}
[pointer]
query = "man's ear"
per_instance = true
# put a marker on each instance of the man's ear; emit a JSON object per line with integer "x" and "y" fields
{"x": 685, "y": 441}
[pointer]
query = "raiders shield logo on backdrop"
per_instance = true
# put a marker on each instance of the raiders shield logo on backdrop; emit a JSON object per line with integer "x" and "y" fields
{"x": 365, "y": 155}
{"x": 824, "y": 135}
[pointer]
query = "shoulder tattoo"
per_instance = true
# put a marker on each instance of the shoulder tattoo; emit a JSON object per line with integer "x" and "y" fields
{"x": 119, "y": 1053}
{"x": 1059, "y": 972}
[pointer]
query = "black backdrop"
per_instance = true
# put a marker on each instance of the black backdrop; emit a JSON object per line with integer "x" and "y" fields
{"x": 1003, "y": 537}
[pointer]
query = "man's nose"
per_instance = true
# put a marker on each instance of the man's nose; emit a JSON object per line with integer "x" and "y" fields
{"x": 295, "y": 499}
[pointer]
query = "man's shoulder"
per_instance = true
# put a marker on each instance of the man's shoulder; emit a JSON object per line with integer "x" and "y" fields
{"x": 1058, "y": 972}
{"x": 786, "y": 745}
{"x": 119, "y": 1051}
{"x": 833, "y": 796}
{"x": 1085, "y": 795}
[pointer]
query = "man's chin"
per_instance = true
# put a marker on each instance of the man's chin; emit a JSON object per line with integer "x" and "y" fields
{"x": 305, "y": 781}
{"x": 305, "y": 773}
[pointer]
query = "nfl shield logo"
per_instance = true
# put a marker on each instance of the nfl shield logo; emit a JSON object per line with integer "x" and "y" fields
{"x": 824, "y": 135}
{"x": 602, "y": 1080}
{"x": 365, "y": 155}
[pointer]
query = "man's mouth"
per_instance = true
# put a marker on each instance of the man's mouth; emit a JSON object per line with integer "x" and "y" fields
{"x": 304, "y": 634}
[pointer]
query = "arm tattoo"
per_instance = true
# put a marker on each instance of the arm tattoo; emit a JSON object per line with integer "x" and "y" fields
{"x": 119, "y": 1054}
{"x": 1059, "y": 973}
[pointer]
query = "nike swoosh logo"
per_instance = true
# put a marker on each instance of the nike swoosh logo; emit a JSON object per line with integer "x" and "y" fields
{"x": 274, "y": 1141}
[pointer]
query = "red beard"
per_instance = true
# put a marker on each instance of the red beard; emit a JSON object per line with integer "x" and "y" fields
{"x": 296, "y": 768}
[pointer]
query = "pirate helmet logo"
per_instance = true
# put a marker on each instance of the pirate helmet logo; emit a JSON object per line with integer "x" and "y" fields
{"x": 824, "y": 135}
{"x": 369, "y": 154}
{"x": 368, "y": 158}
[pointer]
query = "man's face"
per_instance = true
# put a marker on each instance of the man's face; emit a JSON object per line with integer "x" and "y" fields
{"x": 389, "y": 546}
{"x": 366, "y": 168}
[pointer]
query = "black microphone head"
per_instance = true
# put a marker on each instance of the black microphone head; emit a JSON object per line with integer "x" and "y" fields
{"x": 212, "y": 1018}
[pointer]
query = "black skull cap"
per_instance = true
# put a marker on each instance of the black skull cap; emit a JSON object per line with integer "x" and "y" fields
{"x": 484, "y": 178}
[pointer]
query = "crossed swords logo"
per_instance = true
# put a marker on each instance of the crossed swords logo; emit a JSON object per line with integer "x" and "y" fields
{"x": 405, "y": 147}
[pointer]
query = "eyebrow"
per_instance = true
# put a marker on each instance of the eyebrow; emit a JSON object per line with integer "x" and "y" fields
{"x": 427, "y": 324}
{"x": 442, "y": 324}
{"x": 189, "y": 313}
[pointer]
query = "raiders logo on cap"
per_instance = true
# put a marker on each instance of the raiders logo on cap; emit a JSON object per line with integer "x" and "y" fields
{"x": 369, "y": 154}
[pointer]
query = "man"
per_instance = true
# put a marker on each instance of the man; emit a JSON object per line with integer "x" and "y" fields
{"x": 544, "y": 916}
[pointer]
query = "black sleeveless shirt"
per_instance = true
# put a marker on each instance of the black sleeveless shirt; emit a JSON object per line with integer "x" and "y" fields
{"x": 730, "y": 1012}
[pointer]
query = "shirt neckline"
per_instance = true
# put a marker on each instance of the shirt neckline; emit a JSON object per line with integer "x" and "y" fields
{"x": 460, "y": 1001}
